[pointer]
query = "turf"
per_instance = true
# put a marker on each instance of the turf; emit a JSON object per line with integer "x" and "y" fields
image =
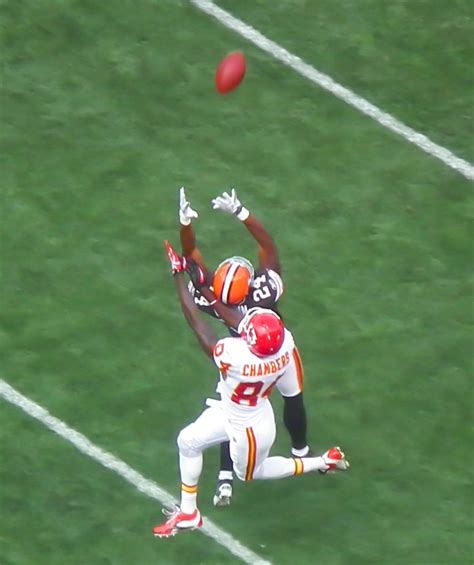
{"x": 106, "y": 110}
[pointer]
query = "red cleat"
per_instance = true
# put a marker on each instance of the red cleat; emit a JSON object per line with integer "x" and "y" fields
{"x": 177, "y": 522}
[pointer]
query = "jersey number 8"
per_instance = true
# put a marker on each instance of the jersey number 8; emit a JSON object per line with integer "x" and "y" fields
{"x": 247, "y": 393}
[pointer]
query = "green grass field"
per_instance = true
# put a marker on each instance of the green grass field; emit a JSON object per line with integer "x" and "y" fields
{"x": 107, "y": 108}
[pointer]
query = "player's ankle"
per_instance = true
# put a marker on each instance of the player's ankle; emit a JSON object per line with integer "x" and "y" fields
{"x": 303, "y": 452}
{"x": 188, "y": 507}
{"x": 314, "y": 464}
{"x": 225, "y": 475}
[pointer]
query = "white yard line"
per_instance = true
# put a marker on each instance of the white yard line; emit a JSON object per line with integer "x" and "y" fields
{"x": 144, "y": 485}
{"x": 324, "y": 81}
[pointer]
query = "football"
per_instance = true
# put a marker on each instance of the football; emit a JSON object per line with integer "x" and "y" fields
{"x": 230, "y": 72}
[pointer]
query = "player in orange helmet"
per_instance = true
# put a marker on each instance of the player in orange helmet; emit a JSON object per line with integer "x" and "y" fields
{"x": 250, "y": 366}
{"x": 236, "y": 283}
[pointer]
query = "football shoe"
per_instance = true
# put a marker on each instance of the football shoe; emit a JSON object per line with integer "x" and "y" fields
{"x": 335, "y": 460}
{"x": 177, "y": 522}
{"x": 223, "y": 494}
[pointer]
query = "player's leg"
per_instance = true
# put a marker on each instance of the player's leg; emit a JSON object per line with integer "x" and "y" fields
{"x": 251, "y": 445}
{"x": 209, "y": 429}
{"x": 206, "y": 431}
{"x": 280, "y": 467}
{"x": 251, "y": 448}
{"x": 294, "y": 418}
{"x": 294, "y": 413}
{"x": 224, "y": 487}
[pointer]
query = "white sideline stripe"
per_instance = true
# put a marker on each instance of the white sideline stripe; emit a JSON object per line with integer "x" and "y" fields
{"x": 326, "y": 82}
{"x": 144, "y": 485}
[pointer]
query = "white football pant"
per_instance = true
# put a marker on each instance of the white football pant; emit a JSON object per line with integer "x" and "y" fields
{"x": 249, "y": 447}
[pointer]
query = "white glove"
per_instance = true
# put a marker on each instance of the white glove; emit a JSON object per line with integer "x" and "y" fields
{"x": 231, "y": 204}
{"x": 186, "y": 213}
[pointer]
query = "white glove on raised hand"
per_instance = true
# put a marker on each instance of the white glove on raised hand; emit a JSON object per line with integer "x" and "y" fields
{"x": 231, "y": 204}
{"x": 186, "y": 213}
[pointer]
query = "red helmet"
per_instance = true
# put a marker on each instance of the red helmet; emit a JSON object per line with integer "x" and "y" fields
{"x": 232, "y": 280}
{"x": 263, "y": 331}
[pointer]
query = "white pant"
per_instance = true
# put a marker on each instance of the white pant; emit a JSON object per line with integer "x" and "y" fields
{"x": 249, "y": 446}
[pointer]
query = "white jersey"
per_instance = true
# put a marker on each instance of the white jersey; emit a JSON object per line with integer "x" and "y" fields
{"x": 247, "y": 380}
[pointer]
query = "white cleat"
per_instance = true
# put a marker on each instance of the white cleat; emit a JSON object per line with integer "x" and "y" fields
{"x": 223, "y": 495}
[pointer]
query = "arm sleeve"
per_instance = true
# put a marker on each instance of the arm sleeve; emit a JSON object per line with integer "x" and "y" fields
{"x": 201, "y": 302}
{"x": 276, "y": 282}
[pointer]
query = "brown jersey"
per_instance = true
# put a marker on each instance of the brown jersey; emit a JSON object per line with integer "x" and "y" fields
{"x": 266, "y": 289}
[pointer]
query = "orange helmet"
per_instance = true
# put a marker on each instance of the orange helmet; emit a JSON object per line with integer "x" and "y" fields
{"x": 232, "y": 280}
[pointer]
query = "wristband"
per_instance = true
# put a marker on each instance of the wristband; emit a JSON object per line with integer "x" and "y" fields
{"x": 242, "y": 213}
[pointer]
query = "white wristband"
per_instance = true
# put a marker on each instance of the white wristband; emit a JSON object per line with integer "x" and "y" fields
{"x": 243, "y": 214}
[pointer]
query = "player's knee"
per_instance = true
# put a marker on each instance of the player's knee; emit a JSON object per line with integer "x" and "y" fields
{"x": 242, "y": 474}
{"x": 239, "y": 474}
{"x": 187, "y": 443}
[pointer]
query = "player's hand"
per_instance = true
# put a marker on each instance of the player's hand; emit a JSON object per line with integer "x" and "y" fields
{"x": 186, "y": 213}
{"x": 231, "y": 204}
{"x": 199, "y": 277}
{"x": 176, "y": 263}
{"x": 227, "y": 202}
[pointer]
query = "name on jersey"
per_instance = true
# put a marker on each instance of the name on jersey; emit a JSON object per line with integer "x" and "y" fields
{"x": 266, "y": 368}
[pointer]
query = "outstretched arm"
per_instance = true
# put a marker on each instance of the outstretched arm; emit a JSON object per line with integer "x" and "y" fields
{"x": 267, "y": 251}
{"x": 200, "y": 279}
{"x": 188, "y": 244}
{"x": 231, "y": 316}
{"x": 203, "y": 331}
{"x": 186, "y": 232}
